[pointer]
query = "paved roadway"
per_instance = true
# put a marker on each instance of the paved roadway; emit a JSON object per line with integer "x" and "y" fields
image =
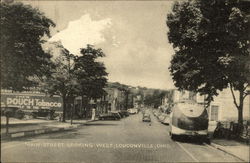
{"x": 128, "y": 140}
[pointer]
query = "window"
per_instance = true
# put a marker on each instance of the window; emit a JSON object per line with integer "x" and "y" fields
{"x": 214, "y": 113}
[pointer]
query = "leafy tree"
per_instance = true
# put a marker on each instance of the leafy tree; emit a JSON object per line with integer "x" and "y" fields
{"x": 62, "y": 81}
{"x": 211, "y": 42}
{"x": 154, "y": 99}
{"x": 22, "y": 31}
{"x": 91, "y": 74}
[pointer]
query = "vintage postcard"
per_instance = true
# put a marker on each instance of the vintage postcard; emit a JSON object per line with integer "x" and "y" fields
{"x": 125, "y": 81}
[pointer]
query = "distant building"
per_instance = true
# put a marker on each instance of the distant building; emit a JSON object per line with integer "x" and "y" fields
{"x": 130, "y": 103}
{"x": 137, "y": 101}
{"x": 116, "y": 99}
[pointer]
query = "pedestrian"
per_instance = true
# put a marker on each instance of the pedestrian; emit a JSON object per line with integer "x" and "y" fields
{"x": 93, "y": 114}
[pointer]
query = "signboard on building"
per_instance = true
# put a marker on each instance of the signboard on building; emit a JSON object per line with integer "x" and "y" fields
{"x": 30, "y": 100}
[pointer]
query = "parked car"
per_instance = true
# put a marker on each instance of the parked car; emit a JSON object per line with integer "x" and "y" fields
{"x": 155, "y": 111}
{"x": 117, "y": 113}
{"x": 166, "y": 120}
{"x": 44, "y": 113}
{"x": 110, "y": 116}
{"x": 13, "y": 112}
{"x": 146, "y": 118}
{"x": 133, "y": 111}
{"x": 124, "y": 113}
{"x": 161, "y": 117}
{"x": 158, "y": 113}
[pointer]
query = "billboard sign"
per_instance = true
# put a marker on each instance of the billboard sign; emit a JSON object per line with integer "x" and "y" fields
{"x": 31, "y": 101}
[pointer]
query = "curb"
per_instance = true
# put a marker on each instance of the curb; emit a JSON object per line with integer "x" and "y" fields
{"x": 41, "y": 131}
{"x": 36, "y": 132}
{"x": 219, "y": 147}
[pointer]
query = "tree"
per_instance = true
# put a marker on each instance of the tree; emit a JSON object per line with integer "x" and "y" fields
{"x": 91, "y": 74}
{"x": 22, "y": 31}
{"x": 62, "y": 81}
{"x": 154, "y": 99}
{"x": 210, "y": 38}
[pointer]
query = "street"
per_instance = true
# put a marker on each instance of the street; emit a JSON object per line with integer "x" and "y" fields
{"x": 127, "y": 140}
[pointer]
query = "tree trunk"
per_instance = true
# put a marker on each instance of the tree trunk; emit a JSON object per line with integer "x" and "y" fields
{"x": 240, "y": 108}
{"x": 71, "y": 113}
{"x": 239, "y": 105}
{"x": 88, "y": 107}
{"x": 7, "y": 124}
{"x": 126, "y": 107}
{"x": 84, "y": 106}
{"x": 64, "y": 108}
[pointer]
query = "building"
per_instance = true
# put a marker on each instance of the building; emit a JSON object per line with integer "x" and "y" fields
{"x": 137, "y": 101}
{"x": 222, "y": 108}
{"x": 117, "y": 99}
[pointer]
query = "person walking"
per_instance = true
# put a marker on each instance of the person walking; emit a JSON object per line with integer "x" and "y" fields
{"x": 93, "y": 114}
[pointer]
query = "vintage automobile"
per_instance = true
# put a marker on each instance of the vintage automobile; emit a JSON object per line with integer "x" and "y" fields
{"x": 146, "y": 118}
{"x": 161, "y": 117}
{"x": 166, "y": 120}
{"x": 110, "y": 116}
{"x": 44, "y": 113}
{"x": 124, "y": 113}
{"x": 133, "y": 111}
{"x": 13, "y": 112}
{"x": 189, "y": 119}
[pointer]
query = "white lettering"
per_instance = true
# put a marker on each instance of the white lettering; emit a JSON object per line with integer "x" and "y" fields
{"x": 31, "y": 102}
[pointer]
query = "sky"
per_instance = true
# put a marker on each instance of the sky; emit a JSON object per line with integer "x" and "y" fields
{"x": 132, "y": 34}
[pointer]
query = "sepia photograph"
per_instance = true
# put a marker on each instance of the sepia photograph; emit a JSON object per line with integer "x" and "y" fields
{"x": 125, "y": 81}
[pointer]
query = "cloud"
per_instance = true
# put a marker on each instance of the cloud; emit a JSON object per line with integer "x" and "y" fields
{"x": 81, "y": 32}
{"x": 137, "y": 63}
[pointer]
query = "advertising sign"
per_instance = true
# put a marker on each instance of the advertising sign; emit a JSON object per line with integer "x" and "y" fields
{"x": 31, "y": 101}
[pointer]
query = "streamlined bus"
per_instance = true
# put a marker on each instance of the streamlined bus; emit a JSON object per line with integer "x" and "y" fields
{"x": 188, "y": 119}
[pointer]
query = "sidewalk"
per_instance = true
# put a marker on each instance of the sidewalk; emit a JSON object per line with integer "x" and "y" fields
{"x": 232, "y": 147}
{"x": 237, "y": 149}
{"x": 21, "y": 128}
{"x": 211, "y": 127}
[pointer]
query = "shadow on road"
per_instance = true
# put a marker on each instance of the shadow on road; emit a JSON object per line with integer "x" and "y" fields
{"x": 191, "y": 140}
{"x": 21, "y": 124}
{"x": 100, "y": 124}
